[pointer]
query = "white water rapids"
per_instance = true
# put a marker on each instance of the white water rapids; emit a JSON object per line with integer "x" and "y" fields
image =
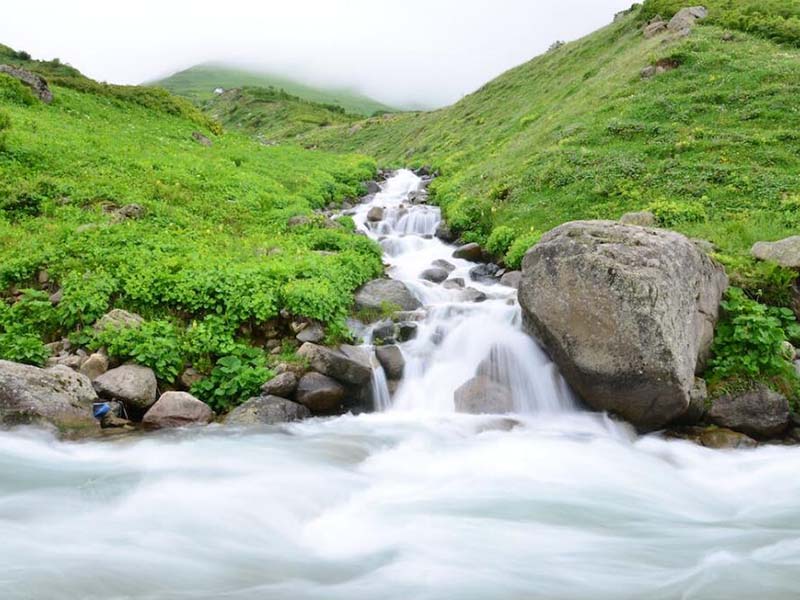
{"x": 415, "y": 502}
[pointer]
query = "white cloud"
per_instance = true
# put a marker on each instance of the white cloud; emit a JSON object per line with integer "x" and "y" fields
{"x": 425, "y": 52}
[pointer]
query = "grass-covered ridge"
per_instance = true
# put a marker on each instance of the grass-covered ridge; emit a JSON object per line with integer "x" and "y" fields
{"x": 205, "y": 255}
{"x": 272, "y": 114}
{"x": 199, "y": 82}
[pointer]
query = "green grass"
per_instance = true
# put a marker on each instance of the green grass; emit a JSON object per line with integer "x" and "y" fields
{"x": 210, "y": 263}
{"x": 272, "y": 114}
{"x": 199, "y": 82}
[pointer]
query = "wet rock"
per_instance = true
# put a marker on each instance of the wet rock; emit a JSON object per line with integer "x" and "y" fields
{"x": 457, "y": 283}
{"x": 384, "y": 332}
{"x": 392, "y": 361}
{"x": 444, "y": 233}
{"x": 58, "y": 396}
{"x": 725, "y": 439}
{"x": 94, "y": 366}
{"x": 267, "y": 410}
{"x": 443, "y": 264}
{"x": 375, "y": 214}
{"x": 283, "y": 385}
{"x": 784, "y": 252}
{"x": 378, "y": 293}
{"x": 471, "y": 252}
{"x": 373, "y": 187}
{"x": 348, "y": 364}
{"x": 434, "y": 274}
{"x": 406, "y": 331}
{"x": 641, "y": 219}
{"x": 319, "y": 393}
{"x": 760, "y": 413}
{"x": 480, "y": 395}
{"x": 313, "y": 333}
{"x": 486, "y": 273}
{"x": 201, "y": 139}
{"x": 133, "y": 385}
{"x": 511, "y": 279}
{"x": 118, "y": 319}
{"x": 177, "y": 409}
{"x": 627, "y": 313}
{"x": 37, "y": 83}
{"x": 473, "y": 295}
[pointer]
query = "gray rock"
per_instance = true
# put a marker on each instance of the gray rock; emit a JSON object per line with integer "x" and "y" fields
{"x": 94, "y": 366}
{"x": 189, "y": 377}
{"x": 784, "y": 252}
{"x": 320, "y": 393}
{"x": 648, "y": 72}
{"x": 759, "y": 413}
{"x": 57, "y": 396}
{"x": 627, "y": 313}
{"x": 177, "y": 409}
{"x": 407, "y": 331}
{"x": 267, "y": 410}
{"x": 118, "y": 319}
{"x": 282, "y": 385}
{"x": 484, "y": 273}
{"x": 378, "y": 293}
{"x": 373, "y": 187}
{"x": 480, "y": 395}
{"x": 686, "y": 18}
{"x": 129, "y": 211}
{"x": 313, "y": 333}
{"x": 71, "y": 361}
{"x": 37, "y": 83}
{"x": 444, "y": 233}
{"x": 653, "y": 29}
{"x": 511, "y": 279}
{"x": 457, "y": 283}
{"x": 434, "y": 274}
{"x": 473, "y": 295}
{"x": 392, "y": 361}
{"x": 201, "y": 139}
{"x": 133, "y": 385}
{"x": 443, "y": 264}
{"x": 385, "y": 332}
{"x": 642, "y": 218}
{"x": 348, "y": 364}
{"x": 725, "y": 439}
{"x": 375, "y": 214}
{"x": 472, "y": 252}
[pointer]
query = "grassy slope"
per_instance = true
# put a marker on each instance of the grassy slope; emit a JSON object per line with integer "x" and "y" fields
{"x": 272, "y": 114}
{"x": 576, "y": 133}
{"x": 208, "y": 264}
{"x": 199, "y": 82}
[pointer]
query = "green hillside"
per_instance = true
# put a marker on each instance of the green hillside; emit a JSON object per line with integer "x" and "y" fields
{"x": 273, "y": 114}
{"x": 199, "y": 82}
{"x": 711, "y": 147}
{"x": 108, "y": 200}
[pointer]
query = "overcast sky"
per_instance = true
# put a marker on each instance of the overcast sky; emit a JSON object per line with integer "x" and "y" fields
{"x": 425, "y": 52}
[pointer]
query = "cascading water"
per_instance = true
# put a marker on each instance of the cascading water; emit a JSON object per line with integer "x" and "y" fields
{"x": 417, "y": 502}
{"x": 457, "y": 337}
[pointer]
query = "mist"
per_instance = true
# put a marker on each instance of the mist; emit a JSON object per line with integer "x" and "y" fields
{"x": 412, "y": 54}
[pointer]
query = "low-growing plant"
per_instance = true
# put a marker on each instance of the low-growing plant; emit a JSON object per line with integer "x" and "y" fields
{"x": 233, "y": 380}
{"x": 153, "y": 344}
{"x": 670, "y": 213}
{"x": 500, "y": 240}
{"x": 519, "y": 247}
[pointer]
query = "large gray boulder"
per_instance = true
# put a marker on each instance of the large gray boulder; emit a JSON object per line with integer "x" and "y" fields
{"x": 627, "y": 313}
{"x": 267, "y": 410}
{"x": 785, "y": 252}
{"x": 379, "y": 293}
{"x": 481, "y": 395}
{"x": 349, "y": 364}
{"x": 37, "y": 83}
{"x": 177, "y": 409}
{"x": 58, "y": 396}
{"x": 133, "y": 385}
{"x": 759, "y": 413}
{"x": 392, "y": 361}
{"x": 319, "y": 393}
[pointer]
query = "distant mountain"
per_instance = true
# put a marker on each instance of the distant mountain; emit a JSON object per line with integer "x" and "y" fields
{"x": 200, "y": 81}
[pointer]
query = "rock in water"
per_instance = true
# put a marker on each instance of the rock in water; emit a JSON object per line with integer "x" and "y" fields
{"x": 348, "y": 365}
{"x": 379, "y": 293}
{"x": 319, "y": 393}
{"x": 135, "y": 386}
{"x": 472, "y": 252}
{"x": 434, "y": 274}
{"x": 511, "y": 279}
{"x": 392, "y": 361}
{"x": 480, "y": 395}
{"x": 33, "y": 396}
{"x": 627, "y": 313}
{"x": 760, "y": 413}
{"x": 177, "y": 409}
{"x": 267, "y": 410}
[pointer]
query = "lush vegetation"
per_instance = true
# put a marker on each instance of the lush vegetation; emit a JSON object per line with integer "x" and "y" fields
{"x": 106, "y": 200}
{"x": 272, "y": 114}
{"x": 711, "y": 146}
{"x": 199, "y": 82}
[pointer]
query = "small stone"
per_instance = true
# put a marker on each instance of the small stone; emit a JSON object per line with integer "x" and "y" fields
{"x": 320, "y": 393}
{"x": 189, "y": 377}
{"x": 201, "y": 139}
{"x": 471, "y": 252}
{"x": 282, "y": 385}
{"x": 511, "y": 279}
{"x": 94, "y": 366}
{"x": 643, "y": 218}
{"x": 177, "y": 409}
{"x": 313, "y": 333}
{"x": 434, "y": 274}
{"x": 375, "y": 214}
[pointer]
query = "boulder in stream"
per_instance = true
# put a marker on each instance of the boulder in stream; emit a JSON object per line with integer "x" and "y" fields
{"x": 133, "y": 385}
{"x": 320, "y": 393}
{"x": 177, "y": 409}
{"x": 283, "y": 385}
{"x": 759, "y": 413}
{"x": 481, "y": 395}
{"x": 434, "y": 274}
{"x": 627, "y": 313}
{"x": 471, "y": 252}
{"x": 267, "y": 410}
{"x": 379, "y": 293}
{"x": 348, "y": 365}
{"x": 392, "y": 361}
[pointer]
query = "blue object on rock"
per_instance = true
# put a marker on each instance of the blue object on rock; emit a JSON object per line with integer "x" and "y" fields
{"x": 100, "y": 409}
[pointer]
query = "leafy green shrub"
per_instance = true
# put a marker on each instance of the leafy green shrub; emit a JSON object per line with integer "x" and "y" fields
{"x": 500, "y": 240}
{"x": 22, "y": 347}
{"x": 767, "y": 282}
{"x": 670, "y": 213}
{"x": 5, "y": 125}
{"x": 749, "y": 340}
{"x": 470, "y": 217}
{"x": 153, "y": 344}
{"x": 86, "y": 297}
{"x": 22, "y": 325}
{"x": 517, "y": 250}
{"x": 13, "y": 91}
{"x": 233, "y": 380}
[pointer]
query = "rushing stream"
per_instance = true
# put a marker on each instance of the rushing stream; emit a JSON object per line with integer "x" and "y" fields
{"x": 413, "y": 502}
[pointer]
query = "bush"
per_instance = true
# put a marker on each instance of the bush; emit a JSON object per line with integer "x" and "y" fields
{"x": 470, "y": 217}
{"x": 518, "y": 249}
{"x": 153, "y": 344}
{"x": 233, "y": 380}
{"x": 5, "y": 125}
{"x": 500, "y": 240}
{"x": 669, "y": 213}
{"x": 22, "y": 325}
